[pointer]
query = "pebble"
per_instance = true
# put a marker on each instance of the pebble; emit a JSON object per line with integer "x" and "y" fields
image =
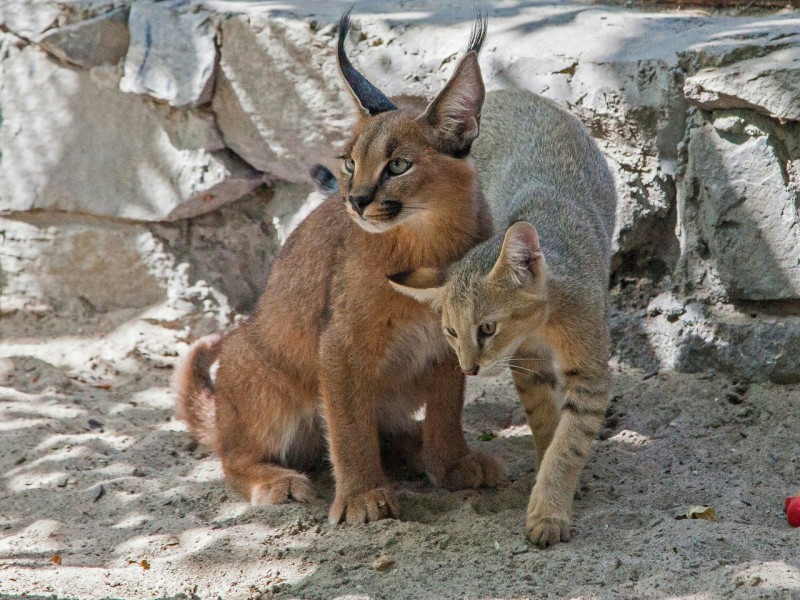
{"x": 383, "y": 562}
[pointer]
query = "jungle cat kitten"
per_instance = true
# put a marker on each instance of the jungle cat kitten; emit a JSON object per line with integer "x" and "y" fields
{"x": 539, "y": 308}
{"x": 332, "y": 351}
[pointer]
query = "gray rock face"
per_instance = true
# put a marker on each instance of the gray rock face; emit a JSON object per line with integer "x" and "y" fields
{"x": 102, "y": 40}
{"x": 745, "y": 210}
{"x": 767, "y": 84}
{"x": 698, "y": 114}
{"x": 71, "y": 142}
{"x": 171, "y": 55}
{"x": 278, "y": 102}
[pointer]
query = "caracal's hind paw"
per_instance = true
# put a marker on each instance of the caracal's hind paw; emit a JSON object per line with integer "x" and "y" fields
{"x": 474, "y": 470}
{"x": 281, "y": 490}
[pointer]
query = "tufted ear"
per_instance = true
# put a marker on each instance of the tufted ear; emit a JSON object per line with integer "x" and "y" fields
{"x": 424, "y": 284}
{"x": 369, "y": 99}
{"x": 520, "y": 259}
{"x": 455, "y": 113}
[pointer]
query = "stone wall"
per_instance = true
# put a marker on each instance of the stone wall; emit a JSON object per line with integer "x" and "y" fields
{"x": 155, "y": 154}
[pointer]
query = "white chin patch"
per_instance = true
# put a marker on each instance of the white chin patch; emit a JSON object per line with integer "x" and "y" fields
{"x": 490, "y": 371}
{"x": 373, "y": 227}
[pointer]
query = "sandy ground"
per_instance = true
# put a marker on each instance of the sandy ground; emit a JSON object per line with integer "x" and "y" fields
{"x": 97, "y": 475}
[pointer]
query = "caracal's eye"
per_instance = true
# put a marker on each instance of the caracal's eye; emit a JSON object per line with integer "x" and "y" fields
{"x": 451, "y": 332}
{"x": 488, "y": 328}
{"x": 348, "y": 166}
{"x": 398, "y": 166}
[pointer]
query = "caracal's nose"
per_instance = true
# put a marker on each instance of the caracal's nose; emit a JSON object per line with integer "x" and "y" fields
{"x": 472, "y": 371}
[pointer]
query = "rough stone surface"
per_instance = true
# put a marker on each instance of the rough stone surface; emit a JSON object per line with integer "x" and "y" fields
{"x": 71, "y": 142}
{"x": 278, "y": 102}
{"x": 745, "y": 211}
{"x": 697, "y": 113}
{"x": 102, "y": 40}
{"x": 767, "y": 84}
{"x": 171, "y": 55}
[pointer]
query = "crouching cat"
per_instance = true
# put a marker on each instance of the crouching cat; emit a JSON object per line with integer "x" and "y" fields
{"x": 333, "y": 358}
{"x": 534, "y": 297}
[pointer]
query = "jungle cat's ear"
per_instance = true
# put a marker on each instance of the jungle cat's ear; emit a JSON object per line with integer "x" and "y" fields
{"x": 424, "y": 284}
{"x": 369, "y": 99}
{"x": 325, "y": 181}
{"x": 520, "y": 259}
{"x": 455, "y": 113}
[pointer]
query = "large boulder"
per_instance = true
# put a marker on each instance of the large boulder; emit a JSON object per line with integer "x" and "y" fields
{"x": 742, "y": 174}
{"x": 72, "y": 142}
{"x": 172, "y": 54}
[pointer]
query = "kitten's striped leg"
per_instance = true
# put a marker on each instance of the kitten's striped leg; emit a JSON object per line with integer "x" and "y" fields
{"x": 535, "y": 380}
{"x": 586, "y": 387}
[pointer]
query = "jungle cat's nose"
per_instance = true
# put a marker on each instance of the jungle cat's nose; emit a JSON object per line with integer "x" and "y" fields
{"x": 359, "y": 203}
{"x": 472, "y": 371}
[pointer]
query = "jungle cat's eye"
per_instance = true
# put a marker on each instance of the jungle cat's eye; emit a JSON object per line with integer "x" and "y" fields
{"x": 398, "y": 166}
{"x": 348, "y": 166}
{"x": 488, "y": 328}
{"x": 451, "y": 332}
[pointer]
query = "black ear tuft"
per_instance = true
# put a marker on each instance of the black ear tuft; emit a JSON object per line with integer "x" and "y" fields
{"x": 325, "y": 181}
{"x": 478, "y": 35}
{"x": 370, "y": 100}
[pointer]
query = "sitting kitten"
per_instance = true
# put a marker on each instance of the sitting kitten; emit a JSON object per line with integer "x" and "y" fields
{"x": 333, "y": 359}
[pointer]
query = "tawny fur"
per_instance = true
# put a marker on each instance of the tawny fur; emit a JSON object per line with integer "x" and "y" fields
{"x": 333, "y": 358}
{"x": 537, "y": 306}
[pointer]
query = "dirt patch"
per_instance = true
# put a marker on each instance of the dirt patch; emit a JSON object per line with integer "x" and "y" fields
{"x": 97, "y": 477}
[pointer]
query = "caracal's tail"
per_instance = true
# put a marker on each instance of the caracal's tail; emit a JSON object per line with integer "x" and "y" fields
{"x": 195, "y": 404}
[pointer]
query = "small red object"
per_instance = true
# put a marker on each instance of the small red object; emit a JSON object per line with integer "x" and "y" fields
{"x": 792, "y": 507}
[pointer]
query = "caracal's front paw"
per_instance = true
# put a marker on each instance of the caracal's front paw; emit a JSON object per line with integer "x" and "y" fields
{"x": 363, "y": 507}
{"x": 281, "y": 490}
{"x": 547, "y": 528}
{"x": 473, "y": 470}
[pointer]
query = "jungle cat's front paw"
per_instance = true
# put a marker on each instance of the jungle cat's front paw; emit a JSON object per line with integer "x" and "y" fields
{"x": 546, "y": 528}
{"x": 363, "y": 507}
{"x": 472, "y": 470}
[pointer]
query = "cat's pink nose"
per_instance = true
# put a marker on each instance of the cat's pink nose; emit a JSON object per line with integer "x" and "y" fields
{"x": 472, "y": 371}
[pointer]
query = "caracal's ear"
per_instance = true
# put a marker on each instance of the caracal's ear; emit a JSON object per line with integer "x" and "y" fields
{"x": 455, "y": 114}
{"x": 424, "y": 284}
{"x": 521, "y": 258}
{"x": 369, "y": 99}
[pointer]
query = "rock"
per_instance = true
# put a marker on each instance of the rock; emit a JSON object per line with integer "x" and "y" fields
{"x": 743, "y": 204}
{"x": 767, "y": 84}
{"x": 71, "y": 143}
{"x": 383, "y": 562}
{"x": 278, "y": 102}
{"x": 172, "y": 54}
{"x": 102, "y": 40}
{"x": 30, "y": 18}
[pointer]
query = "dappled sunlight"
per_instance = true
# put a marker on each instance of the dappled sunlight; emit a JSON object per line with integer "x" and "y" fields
{"x": 133, "y": 521}
{"x": 230, "y": 511}
{"x": 38, "y": 537}
{"x": 116, "y": 442}
{"x": 775, "y": 575}
{"x": 207, "y": 470}
{"x": 630, "y": 438}
{"x": 515, "y": 431}
{"x": 154, "y": 397}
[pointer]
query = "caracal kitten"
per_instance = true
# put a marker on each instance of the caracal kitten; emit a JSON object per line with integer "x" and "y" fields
{"x": 333, "y": 359}
{"x": 534, "y": 298}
